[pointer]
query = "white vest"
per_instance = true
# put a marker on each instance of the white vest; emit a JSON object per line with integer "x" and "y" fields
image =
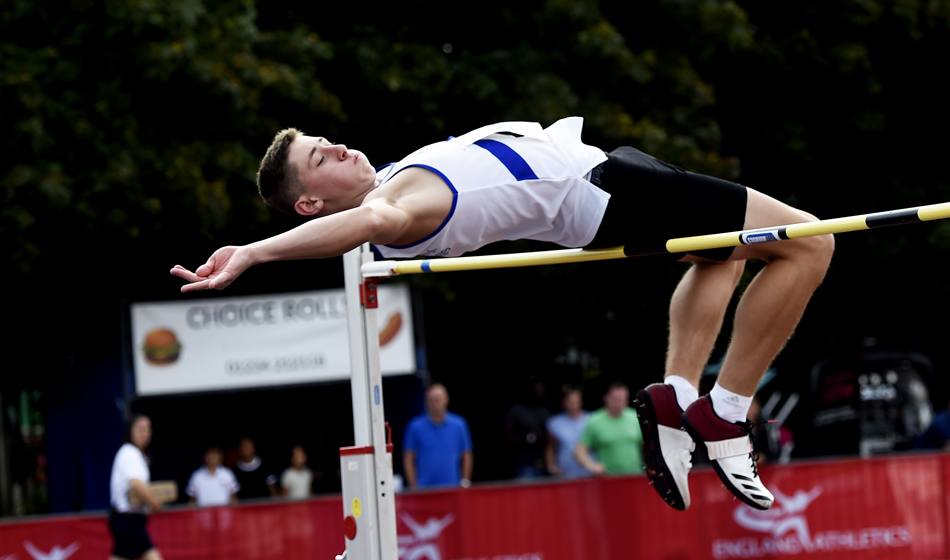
{"x": 506, "y": 188}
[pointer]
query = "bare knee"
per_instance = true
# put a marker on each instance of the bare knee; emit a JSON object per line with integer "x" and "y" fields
{"x": 814, "y": 253}
{"x": 810, "y": 254}
{"x": 822, "y": 246}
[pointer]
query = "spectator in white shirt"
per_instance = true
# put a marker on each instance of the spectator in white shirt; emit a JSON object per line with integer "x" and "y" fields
{"x": 212, "y": 484}
{"x": 297, "y": 481}
{"x": 131, "y": 475}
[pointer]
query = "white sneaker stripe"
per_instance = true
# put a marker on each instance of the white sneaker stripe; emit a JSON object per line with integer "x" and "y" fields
{"x": 728, "y": 448}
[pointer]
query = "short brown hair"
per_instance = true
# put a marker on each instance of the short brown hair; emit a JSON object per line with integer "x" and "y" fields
{"x": 278, "y": 180}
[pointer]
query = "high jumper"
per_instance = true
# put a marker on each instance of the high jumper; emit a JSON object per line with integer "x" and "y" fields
{"x": 518, "y": 181}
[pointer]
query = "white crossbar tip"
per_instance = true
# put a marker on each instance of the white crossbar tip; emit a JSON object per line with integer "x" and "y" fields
{"x": 378, "y": 268}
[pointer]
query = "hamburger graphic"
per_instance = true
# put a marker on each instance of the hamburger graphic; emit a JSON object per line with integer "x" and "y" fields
{"x": 161, "y": 347}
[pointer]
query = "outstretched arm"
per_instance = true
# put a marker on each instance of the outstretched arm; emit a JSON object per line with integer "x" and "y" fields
{"x": 329, "y": 236}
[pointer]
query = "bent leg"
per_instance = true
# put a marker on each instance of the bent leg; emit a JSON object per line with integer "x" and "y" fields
{"x": 775, "y": 301}
{"x": 766, "y": 316}
{"x": 697, "y": 309}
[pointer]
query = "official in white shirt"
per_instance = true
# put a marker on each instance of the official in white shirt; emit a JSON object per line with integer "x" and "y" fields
{"x": 212, "y": 484}
{"x": 130, "y": 474}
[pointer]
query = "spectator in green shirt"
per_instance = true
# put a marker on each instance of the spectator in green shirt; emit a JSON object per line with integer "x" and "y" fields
{"x": 613, "y": 434}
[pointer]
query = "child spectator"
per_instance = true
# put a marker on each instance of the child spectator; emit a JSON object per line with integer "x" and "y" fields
{"x": 212, "y": 484}
{"x": 297, "y": 481}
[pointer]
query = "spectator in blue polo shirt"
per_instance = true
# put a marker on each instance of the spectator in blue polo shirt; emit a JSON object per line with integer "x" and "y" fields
{"x": 437, "y": 447}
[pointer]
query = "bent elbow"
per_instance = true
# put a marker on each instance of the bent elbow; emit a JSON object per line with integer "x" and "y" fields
{"x": 370, "y": 224}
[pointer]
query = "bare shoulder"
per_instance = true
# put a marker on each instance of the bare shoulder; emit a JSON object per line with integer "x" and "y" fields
{"x": 421, "y": 196}
{"x": 409, "y": 181}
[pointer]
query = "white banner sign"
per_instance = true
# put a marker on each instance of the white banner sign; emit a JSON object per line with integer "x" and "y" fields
{"x": 258, "y": 341}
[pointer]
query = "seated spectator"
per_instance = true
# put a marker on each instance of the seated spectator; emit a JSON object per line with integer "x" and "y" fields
{"x": 937, "y": 435}
{"x": 255, "y": 480}
{"x": 212, "y": 484}
{"x": 565, "y": 431}
{"x": 297, "y": 481}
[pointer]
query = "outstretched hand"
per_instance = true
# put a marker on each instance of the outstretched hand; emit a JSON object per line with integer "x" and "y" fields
{"x": 224, "y": 266}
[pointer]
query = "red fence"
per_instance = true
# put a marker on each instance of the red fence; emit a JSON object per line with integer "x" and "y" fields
{"x": 888, "y": 508}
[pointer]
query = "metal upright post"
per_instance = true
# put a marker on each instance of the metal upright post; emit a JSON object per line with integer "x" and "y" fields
{"x": 368, "y": 498}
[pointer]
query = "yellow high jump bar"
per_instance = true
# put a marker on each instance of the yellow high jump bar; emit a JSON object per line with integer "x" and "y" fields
{"x": 677, "y": 245}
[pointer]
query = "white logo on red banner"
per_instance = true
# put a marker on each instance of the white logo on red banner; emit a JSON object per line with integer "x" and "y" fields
{"x": 55, "y": 553}
{"x": 421, "y": 544}
{"x": 789, "y": 532}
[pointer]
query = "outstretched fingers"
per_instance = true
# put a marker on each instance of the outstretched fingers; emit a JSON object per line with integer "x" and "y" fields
{"x": 203, "y": 285}
{"x": 216, "y": 274}
{"x": 184, "y": 273}
{"x": 195, "y": 282}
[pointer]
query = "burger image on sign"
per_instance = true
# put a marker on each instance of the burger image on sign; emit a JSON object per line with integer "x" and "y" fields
{"x": 161, "y": 347}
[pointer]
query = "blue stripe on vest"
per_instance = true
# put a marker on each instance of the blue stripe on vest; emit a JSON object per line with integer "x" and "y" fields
{"x": 509, "y": 158}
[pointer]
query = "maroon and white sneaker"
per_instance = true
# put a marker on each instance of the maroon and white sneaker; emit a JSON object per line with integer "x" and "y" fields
{"x": 666, "y": 447}
{"x": 729, "y": 448}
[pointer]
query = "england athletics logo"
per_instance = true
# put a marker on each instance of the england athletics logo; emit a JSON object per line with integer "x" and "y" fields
{"x": 787, "y": 531}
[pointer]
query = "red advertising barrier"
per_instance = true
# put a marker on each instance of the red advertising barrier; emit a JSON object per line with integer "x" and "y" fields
{"x": 885, "y": 508}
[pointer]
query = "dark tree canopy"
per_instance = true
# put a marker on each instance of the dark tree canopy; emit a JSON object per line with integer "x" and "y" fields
{"x": 132, "y": 132}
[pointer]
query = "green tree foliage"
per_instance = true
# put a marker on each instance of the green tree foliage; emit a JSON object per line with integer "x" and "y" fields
{"x": 132, "y": 129}
{"x": 426, "y": 69}
{"x": 128, "y": 119}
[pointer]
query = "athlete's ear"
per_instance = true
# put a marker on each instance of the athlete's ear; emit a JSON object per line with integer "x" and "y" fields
{"x": 308, "y": 206}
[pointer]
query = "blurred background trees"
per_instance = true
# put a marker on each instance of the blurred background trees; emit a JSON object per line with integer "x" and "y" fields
{"x": 132, "y": 131}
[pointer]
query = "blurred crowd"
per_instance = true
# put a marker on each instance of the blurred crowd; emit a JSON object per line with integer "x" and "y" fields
{"x": 249, "y": 477}
{"x": 570, "y": 442}
{"x": 437, "y": 448}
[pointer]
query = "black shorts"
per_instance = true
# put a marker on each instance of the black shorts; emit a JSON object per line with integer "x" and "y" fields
{"x": 652, "y": 201}
{"x": 128, "y": 530}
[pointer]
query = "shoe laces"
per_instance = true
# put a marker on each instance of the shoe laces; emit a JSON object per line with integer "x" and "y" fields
{"x": 753, "y": 454}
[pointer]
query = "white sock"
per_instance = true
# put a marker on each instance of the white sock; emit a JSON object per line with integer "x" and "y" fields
{"x": 686, "y": 394}
{"x": 731, "y": 407}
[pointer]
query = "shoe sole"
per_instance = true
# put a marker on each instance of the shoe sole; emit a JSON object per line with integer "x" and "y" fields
{"x": 723, "y": 477}
{"x": 659, "y": 474}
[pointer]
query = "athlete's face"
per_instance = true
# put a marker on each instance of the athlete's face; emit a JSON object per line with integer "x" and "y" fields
{"x": 336, "y": 178}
